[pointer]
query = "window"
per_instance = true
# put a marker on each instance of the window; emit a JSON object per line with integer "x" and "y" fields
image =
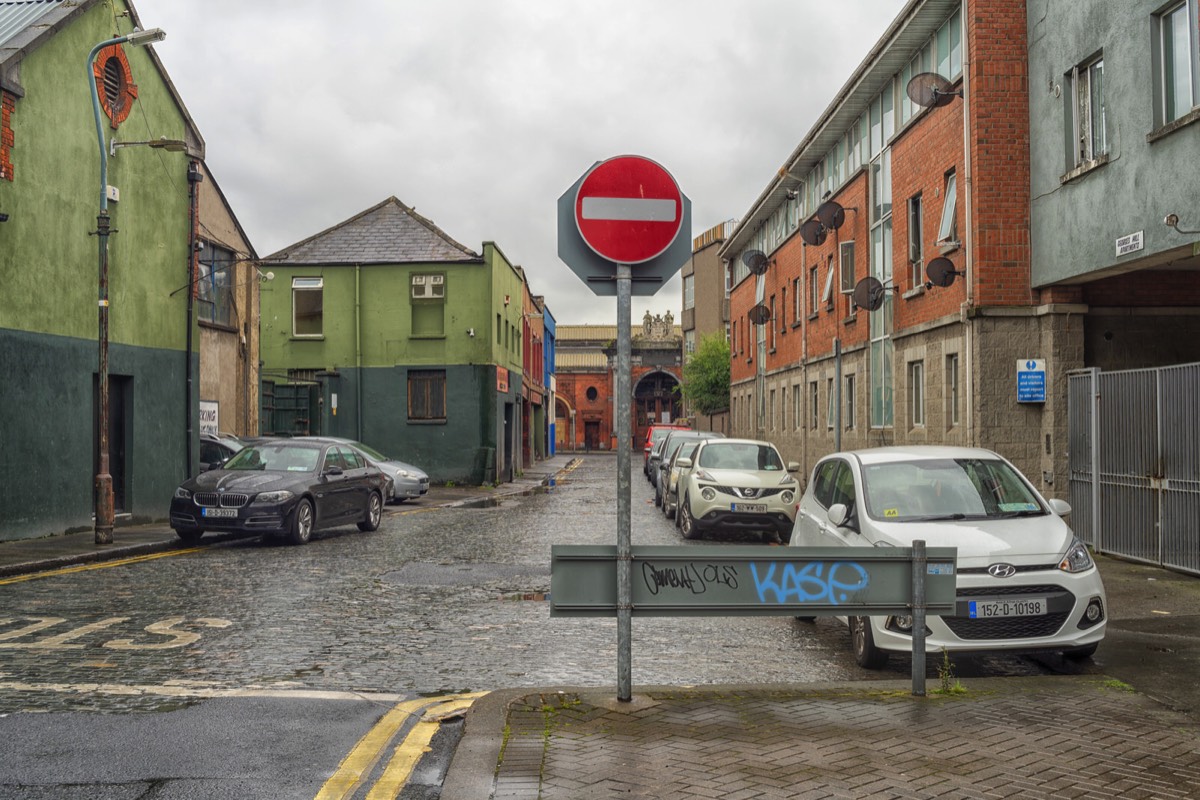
{"x": 916, "y": 253}
{"x": 916, "y": 392}
{"x": 783, "y": 408}
{"x": 428, "y": 287}
{"x": 812, "y": 404}
{"x": 827, "y": 295}
{"x": 848, "y": 402}
{"x": 214, "y": 287}
{"x": 771, "y": 411}
{"x": 689, "y": 342}
{"x": 797, "y": 416}
{"x": 948, "y": 229}
{"x": 689, "y": 291}
{"x": 770, "y": 323}
{"x": 952, "y": 413}
{"x": 830, "y": 404}
{"x": 813, "y": 291}
{"x": 427, "y": 395}
{"x": 797, "y": 300}
{"x": 307, "y": 303}
{"x": 1176, "y": 57}
{"x": 1088, "y": 138}
{"x": 847, "y": 259}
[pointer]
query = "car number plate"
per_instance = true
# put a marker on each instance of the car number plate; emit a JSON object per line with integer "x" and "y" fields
{"x": 1023, "y": 607}
{"x": 749, "y": 508}
{"x": 220, "y": 512}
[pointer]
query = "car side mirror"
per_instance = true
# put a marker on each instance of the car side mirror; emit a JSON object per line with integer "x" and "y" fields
{"x": 334, "y": 471}
{"x": 842, "y": 516}
{"x": 1060, "y": 507}
{"x": 683, "y": 463}
{"x": 793, "y": 466}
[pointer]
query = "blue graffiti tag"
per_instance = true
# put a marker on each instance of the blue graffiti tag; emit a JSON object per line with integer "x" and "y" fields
{"x": 809, "y": 583}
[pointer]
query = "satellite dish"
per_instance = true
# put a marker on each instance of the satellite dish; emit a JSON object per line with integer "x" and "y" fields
{"x": 759, "y": 314}
{"x": 869, "y": 294}
{"x": 755, "y": 261}
{"x": 930, "y": 89}
{"x": 813, "y": 232}
{"x": 941, "y": 272}
{"x": 831, "y": 214}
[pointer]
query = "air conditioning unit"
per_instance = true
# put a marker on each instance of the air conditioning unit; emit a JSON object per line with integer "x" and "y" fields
{"x": 418, "y": 280}
{"x": 437, "y": 280}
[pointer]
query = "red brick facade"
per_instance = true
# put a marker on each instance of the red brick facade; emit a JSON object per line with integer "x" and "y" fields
{"x": 7, "y": 107}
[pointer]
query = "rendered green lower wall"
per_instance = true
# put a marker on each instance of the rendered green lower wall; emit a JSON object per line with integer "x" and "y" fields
{"x": 464, "y": 449}
{"x": 46, "y": 431}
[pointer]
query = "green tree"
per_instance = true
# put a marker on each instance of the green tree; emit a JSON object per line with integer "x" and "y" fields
{"x": 706, "y": 375}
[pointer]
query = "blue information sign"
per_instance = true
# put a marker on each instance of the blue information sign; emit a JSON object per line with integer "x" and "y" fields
{"x": 1031, "y": 380}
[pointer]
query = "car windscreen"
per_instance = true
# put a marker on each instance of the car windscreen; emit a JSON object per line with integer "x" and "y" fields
{"x": 741, "y": 455}
{"x": 371, "y": 452}
{"x": 927, "y": 489}
{"x": 276, "y": 458}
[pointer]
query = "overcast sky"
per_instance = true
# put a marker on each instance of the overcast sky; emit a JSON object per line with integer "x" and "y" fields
{"x": 481, "y": 113}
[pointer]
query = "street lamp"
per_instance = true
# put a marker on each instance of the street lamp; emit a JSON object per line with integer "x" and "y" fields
{"x": 103, "y": 484}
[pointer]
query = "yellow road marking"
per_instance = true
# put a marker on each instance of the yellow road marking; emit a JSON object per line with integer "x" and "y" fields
{"x": 416, "y": 744}
{"x": 101, "y": 565}
{"x": 359, "y": 762}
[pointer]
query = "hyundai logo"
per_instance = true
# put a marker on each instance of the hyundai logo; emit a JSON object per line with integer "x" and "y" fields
{"x": 1002, "y": 570}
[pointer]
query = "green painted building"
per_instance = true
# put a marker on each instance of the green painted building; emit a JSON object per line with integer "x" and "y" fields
{"x": 50, "y": 199}
{"x": 385, "y": 330}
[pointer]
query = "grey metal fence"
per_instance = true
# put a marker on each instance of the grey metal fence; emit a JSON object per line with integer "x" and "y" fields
{"x": 1134, "y": 462}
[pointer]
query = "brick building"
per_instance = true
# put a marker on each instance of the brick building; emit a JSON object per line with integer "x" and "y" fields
{"x": 904, "y": 186}
{"x": 584, "y": 382}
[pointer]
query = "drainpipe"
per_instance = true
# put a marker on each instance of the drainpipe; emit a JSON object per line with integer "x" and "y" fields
{"x": 194, "y": 178}
{"x": 968, "y": 308}
{"x": 358, "y": 381}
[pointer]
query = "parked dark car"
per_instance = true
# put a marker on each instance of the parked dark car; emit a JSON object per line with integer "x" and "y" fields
{"x": 406, "y": 480}
{"x": 281, "y": 488}
{"x": 216, "y": 449}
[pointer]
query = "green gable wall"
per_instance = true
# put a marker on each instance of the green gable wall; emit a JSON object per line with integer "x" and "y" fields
{"x": 48, "y": 309}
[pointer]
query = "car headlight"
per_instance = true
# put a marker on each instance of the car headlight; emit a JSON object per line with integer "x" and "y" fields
{"x": 786, "y": 479}
{"x": 704, "y": 475}
{"x": 273, "y": 497}
{"x": 708, "y": 494}
{"x": 1077, "y": 559}
{"x": 787, "y": 497}
{"x": 183, "y": 494}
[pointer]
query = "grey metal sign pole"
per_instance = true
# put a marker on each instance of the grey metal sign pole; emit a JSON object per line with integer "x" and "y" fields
{"x": 624, "y": 402}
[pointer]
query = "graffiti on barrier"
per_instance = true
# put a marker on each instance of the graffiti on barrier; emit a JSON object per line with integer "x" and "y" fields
{"x": 692, "y": 577}
{"x": 814, "y": 582}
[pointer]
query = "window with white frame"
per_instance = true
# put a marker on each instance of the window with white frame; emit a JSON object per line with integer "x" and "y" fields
{"x": 827, "y": 295}
{"x": 916, "y": 250}
{"x": 830, "y": 404}
{"x": 814, "y": 290}
{"x": 797, "y": 415}
{"x": 848, "y": 402}
{"x": 797, "y": 300}
{"x": 689, "y": 343}
{"x": 308, "y": 298}
{"x": 783, "y": 407}
{"x": 812, "y": 405}
{"x": 916, "y": 393}
{"x": 948, "y": 229}
{"x": 952, "y": 392}
{"x": 771, "y": 412}
{"x": 1175, "y": 55}
{"x": 1088, "y": 137}
{"x": 689, "y": 291}
{"x": 428, "y": 286}
{"x": 846, "y": 253}
{"x": 771, "y": 322}
{"x": 882, "y": 347}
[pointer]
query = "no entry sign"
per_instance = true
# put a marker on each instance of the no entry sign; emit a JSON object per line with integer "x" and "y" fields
{"x": 625, "y": 210}
{"x": 628, "y": 209}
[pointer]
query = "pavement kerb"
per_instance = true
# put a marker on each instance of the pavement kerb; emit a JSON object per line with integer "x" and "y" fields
{"x": 477, "y": 759}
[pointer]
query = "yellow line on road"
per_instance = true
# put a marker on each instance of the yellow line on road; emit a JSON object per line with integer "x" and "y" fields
{"x": 416, "y": 744}
{"x": 362, "y": 759}
{"x": 101, "y": 565}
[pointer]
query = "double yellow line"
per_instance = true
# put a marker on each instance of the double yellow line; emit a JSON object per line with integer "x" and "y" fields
{"x": 360, "y": 763}
{"x": 98, "y": 565}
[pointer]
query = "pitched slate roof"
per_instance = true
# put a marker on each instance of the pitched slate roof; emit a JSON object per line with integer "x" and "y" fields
{"x": 16, "y": 17}
{"x": 389, "y": 233}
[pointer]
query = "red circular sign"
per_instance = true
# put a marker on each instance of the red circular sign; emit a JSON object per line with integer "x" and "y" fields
{"x": 628, "y": 209}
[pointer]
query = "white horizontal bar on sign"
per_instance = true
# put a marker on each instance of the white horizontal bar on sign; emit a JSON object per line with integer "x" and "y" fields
{"x": 629, "y": 209}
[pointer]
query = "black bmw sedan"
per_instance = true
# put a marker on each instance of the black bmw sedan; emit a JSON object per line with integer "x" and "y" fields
{"x": 281, "y": 488}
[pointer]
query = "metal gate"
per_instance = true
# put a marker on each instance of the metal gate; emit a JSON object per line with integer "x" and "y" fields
{"x": 1139, "y": 432}
{"x": 289, "y": 409}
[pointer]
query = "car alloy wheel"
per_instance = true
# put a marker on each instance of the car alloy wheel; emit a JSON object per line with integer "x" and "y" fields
{"x": 374, "y": 512}
{"x": 866, "y": 654}
{"x": 687, "y": 523}
{"x": 302, "y": 523}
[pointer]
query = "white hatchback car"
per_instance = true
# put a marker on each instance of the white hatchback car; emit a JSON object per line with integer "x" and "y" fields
{"x": 1025, "y": 582}
{"x": 736, "y": 484}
